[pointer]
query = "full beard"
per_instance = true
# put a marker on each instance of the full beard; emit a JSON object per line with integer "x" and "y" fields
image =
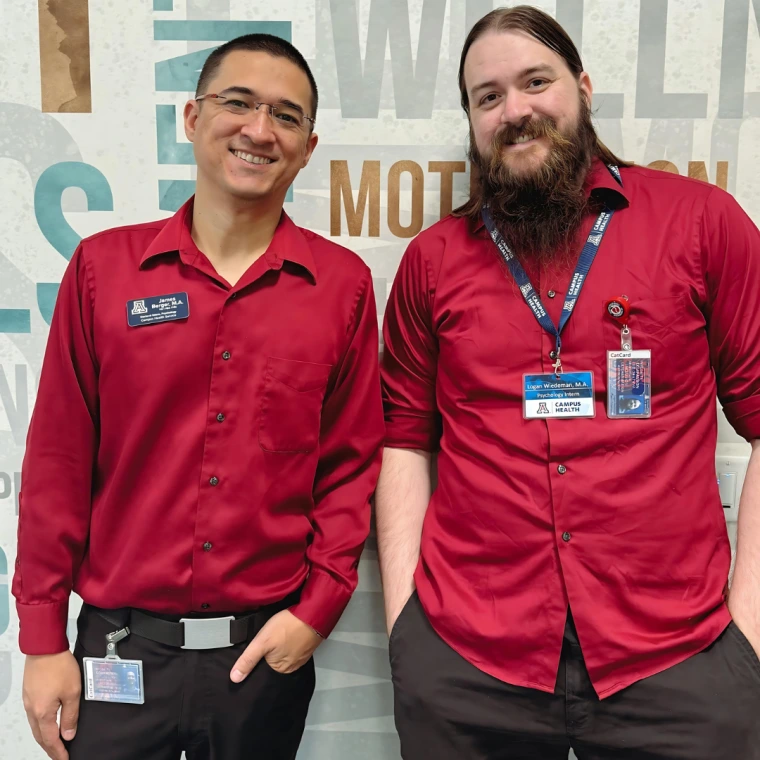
{"x": 539, "y": 210}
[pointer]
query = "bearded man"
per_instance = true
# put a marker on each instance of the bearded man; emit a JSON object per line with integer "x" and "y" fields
{"x": 559, "y": 342}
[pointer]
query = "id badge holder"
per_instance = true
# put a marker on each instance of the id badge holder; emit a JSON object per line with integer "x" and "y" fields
{"x": 629, "y": 372}
{"x": 558, "y": 395}
{"x": 629, "y": 384}
{"x": 549, "y": 396}
{"x": 111, "y": 679}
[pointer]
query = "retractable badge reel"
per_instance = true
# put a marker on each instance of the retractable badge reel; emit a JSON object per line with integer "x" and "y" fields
{"x": 629, "y": 372}
{"x": 619, "y": 309}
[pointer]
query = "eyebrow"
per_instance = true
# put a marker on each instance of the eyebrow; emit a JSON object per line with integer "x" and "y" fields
{"x": 246, "y": 91}
{"x": 541, "y": 68}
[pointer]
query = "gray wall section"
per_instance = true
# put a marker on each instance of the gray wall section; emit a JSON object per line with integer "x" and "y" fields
{"x": 351, "y": 714}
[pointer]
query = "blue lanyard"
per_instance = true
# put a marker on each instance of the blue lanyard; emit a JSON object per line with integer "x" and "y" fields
{"x": 585, "y": 261}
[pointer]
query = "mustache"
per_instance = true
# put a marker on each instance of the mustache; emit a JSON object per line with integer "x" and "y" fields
{"x": 534, "y": 129}
{"x": 538, "y": 211}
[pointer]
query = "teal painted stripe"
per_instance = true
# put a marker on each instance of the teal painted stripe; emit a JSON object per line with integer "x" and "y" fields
{"x": 163, "y": 5}
{"x": 181, "y": 74}
{"x": 15, "y": 321}
{"x": 169, "y": 151}
{"x": 172, "y": 193}
{"x": 47, "y": 293}
{"x": 206, "y": 31}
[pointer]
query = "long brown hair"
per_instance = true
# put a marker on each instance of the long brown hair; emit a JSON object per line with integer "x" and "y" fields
{"x": 543, "y": 28}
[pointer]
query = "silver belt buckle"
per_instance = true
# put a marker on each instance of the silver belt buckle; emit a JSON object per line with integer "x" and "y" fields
{"x": 207, "y": 633}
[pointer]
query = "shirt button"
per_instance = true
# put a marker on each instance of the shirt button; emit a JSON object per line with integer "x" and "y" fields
{"x": 552, "y": 354}
{"x": 562, "y": 469}
{"x": 207, "y": 546}
{"x": 234, "y": 295}
{"x": 205, "y": 606}
{"x": 226, "y": 355}
{"x": 220, "y": 417}
{"x": 551, "y": 294}
{"x": 214, "y": 481}
{"x": 566, "y": 536}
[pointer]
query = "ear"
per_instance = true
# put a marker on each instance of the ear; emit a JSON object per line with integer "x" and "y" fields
{"x": 190, "y": 116}
{"x": 584, "y": 82}
{"x": 310, "y": 145}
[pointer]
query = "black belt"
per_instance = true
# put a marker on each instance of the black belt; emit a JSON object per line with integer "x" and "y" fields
{"x": 191, "y": 633}
{"x": 188, "y": 633}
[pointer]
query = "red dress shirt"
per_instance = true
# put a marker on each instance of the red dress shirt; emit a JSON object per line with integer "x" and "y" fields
{"x": 216, "y": 462}
{"x": 618, "y": 519}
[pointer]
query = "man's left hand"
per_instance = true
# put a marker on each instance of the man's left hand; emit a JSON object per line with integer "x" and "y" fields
{"x": 285, "y": 642}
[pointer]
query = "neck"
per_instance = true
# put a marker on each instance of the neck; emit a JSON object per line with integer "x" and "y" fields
{"x": 233, "y": 229}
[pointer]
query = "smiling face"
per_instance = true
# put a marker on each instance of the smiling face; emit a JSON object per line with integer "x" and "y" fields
{"x": 532, "y": 141}
{"x": 521, "y": 91}
{"x": 243, "y": 152}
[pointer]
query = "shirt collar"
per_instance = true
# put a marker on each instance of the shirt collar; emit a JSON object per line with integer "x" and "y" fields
{"x": 599, "y": 182}
{"x": 288, "y": 244}
{"x": 173, "y": 236}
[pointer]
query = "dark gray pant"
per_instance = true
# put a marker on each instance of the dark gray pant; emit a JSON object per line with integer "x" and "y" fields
{"x": 706, "y": 708}
{"x": 191, "y": 705}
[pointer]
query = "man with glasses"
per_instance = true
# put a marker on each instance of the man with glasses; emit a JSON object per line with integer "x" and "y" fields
{"x": 216, "y": 376}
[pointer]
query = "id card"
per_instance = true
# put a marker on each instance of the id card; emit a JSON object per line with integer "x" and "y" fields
{"x": 109, "y": 679}
{"x": 149, "y": 311}
{"x": 629, "y": 384}
{"x": 569, "y": 395}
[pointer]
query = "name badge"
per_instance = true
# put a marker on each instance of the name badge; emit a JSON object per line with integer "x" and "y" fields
{"x": 629, "y": 384}
{"x": 569, "y": 395}
{"x": 149, "y": 311}
{"x": 111, "y": 679}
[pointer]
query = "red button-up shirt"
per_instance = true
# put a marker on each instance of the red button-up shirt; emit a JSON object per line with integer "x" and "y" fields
{"x": 216, "y": 462}
{"x": 618, "y": 519}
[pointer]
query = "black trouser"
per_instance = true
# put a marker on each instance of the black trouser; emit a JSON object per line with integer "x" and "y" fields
{"x": 190, "y": 703}
{"x": 706, "y": 708}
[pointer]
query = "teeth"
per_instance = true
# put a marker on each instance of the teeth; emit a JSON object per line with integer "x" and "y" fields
{"x": 522, "y": 139}
{"x": 251, "y": 159}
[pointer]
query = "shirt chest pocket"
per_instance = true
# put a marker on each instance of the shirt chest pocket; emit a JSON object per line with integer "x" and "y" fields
{"x": 292, "y": 393}
{"x": 672, "y": 329}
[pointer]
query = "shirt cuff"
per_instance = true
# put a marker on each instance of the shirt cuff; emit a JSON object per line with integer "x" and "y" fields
{"x": 744, "y": 417}
{"x": 403, "y": 432}
{"x": 42, "y": 627}
{"x": 323, "y": 600}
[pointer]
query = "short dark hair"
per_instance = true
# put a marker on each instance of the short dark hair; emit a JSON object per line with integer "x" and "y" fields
{"x": 257, "y": 43}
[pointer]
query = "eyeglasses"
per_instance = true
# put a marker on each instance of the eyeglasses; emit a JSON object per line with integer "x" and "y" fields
{"x": 284, "y": 116}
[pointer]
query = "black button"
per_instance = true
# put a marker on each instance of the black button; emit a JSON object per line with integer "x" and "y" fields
{"x": 226, "y": 355}
{"x": 552, "y": 354}
{"x": 551, "y": 294}
{"x": 562, "y": 469}
{"x": 205, "y": 606}
{"x": 220, "y": 417}
{"x": 214, "y": 481}
{"x": 207, "y": 546}
{"x": 234, "y": 295}
{"x": 566, "y": 536}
